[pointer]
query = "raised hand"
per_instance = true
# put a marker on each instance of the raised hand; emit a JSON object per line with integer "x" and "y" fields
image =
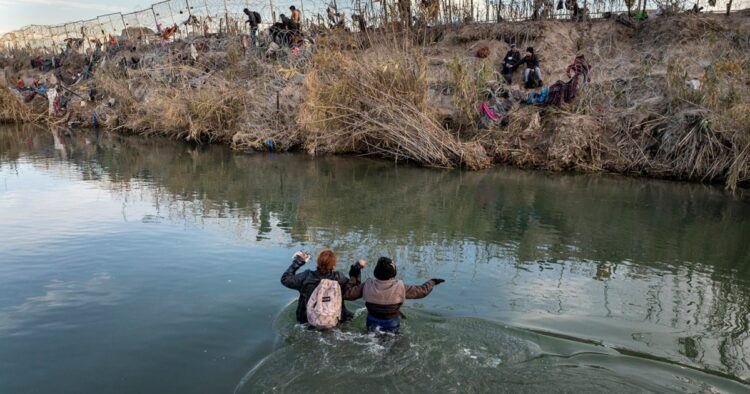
{"x": 303, "y": 255}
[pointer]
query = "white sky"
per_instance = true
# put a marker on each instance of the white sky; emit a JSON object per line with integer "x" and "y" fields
{"x": 18, "y": 13}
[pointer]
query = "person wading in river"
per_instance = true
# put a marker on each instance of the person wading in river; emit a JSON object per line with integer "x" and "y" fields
{"x": 384, "y": 296}
{"x": 306, "y": 282}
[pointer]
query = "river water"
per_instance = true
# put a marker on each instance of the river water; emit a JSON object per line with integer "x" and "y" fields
{"x": 144, "y": 265}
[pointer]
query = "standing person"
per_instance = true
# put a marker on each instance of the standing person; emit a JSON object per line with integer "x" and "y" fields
{"x": 296, "y": 17}
{"x": 510, "y": 61}
{"x": 253, "y": 19}
{"x": 384, "y": 296}
{"x": 532, "y": 76}
{"x": 306, "y": 282}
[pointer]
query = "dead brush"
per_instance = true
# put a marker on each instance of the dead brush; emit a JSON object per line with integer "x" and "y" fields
{"x": 470, "y": 81}
{"x": 180, "y": 102}
{"x": 577, "y": 142}
{"x": 115, "y": 87}
{"x": 692, "y": 148}
{"x": 738, "y": 119}
{"x": 518, "y": 144}
{"x": 262, "y": 126}
{"x": 14, "y": 110}
{"x": 201, "y": 115}
{"x": 377, "y": 104}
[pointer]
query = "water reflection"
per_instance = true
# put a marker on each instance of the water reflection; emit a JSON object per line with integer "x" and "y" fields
{"x": 654, "y": 267}
{"x": 59, "y": 294}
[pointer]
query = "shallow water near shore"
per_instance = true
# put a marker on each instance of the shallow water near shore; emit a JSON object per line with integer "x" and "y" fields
{"x": 151, "y": 266}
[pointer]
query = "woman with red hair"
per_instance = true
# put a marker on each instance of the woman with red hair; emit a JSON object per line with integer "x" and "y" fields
{"x": 306, "y": 282}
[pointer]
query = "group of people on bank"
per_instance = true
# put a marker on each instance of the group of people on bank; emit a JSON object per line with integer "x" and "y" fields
{"x": 513, "y": 60}
{"x": 286, "y": 26}
{"x": 323, "y": 289}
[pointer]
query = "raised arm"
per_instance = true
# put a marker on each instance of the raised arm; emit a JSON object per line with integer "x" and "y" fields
{"x": 414, "y": 292}
{"x": 351, "y": 289}
{"x": 290, "y": 278}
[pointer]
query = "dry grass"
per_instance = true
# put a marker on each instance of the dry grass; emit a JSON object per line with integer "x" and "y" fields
{"x": 378, "y": 105}
{"x": 553, "y": 140}
{"x": 13, "y": 109}
{"x": 370, "y": 94}
{"x": 204, "y": 111}
{"x": 469, "y": 81}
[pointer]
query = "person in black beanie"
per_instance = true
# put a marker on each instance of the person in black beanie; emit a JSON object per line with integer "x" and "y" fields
{"x": 532, "y": 76}
{"x": 384, "y": 296}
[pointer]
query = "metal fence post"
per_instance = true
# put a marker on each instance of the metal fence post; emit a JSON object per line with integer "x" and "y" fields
{"x": 125, "y": 31}
{"x": 156, "y": 20}
{"x": 450, "y": 11}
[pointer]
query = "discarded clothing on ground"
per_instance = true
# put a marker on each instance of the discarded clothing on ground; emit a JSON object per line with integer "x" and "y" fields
{"x": 563, "y": 91}
{"x": 540, "y": 98}
{"x": 624, "y": 19}
{"x": 495, "y": 110}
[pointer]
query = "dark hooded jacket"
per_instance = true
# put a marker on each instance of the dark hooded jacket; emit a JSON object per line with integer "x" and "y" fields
{"x": 512, "y": 58}
{"x": 306, "y": 282}
{"x": 532, "y": 61}
{"x": 253, "y": 18}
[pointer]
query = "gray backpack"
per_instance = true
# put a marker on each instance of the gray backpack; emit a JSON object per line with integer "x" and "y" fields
{"x": 324, "y": 305}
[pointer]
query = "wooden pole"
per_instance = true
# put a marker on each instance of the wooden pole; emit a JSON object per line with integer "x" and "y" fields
{"x": 226, "y": 15}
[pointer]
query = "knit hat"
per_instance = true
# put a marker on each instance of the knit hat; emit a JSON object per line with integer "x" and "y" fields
{"x": 530, "y": 50}
{"x": 385, "y": 269}
{"x": 512, "y": 45}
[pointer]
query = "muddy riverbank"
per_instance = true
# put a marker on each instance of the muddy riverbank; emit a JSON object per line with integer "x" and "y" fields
{"x": 668, "y": 97}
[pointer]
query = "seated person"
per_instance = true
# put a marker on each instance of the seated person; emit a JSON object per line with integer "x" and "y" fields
{"x": 510, "y": 61}
{"x": 532, "y": 76}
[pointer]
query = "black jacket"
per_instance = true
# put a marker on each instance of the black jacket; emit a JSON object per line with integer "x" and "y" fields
{"x": 306, "y": 282}
{"x": 253, "y": 18}
{"x": 512, "y": 58}
{"x": 531, "y": 62}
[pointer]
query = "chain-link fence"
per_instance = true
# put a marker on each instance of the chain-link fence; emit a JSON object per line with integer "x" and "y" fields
{"x": 202, "y": 17}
